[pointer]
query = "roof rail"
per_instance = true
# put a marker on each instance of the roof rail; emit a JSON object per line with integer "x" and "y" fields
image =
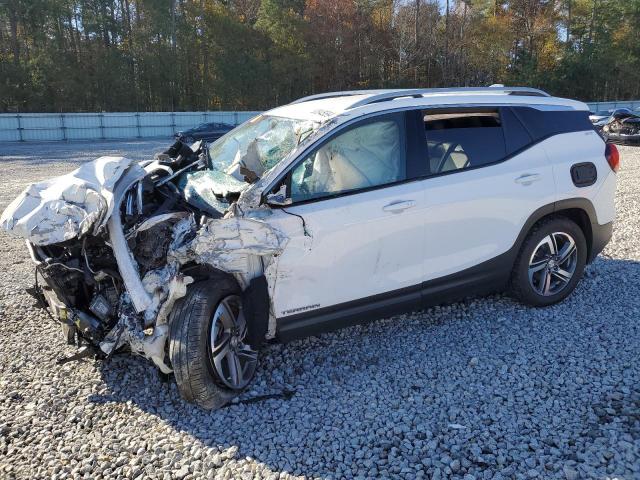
{"x": 347, "y": 93}
{"x": 382, "y": 95}
{"x": 416, "y": 93}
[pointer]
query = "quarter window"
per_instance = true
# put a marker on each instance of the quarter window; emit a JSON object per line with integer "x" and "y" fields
{"x": 365, "y": 156}
{"x": 516, "y": 136}
{"x": 460, "y": 139}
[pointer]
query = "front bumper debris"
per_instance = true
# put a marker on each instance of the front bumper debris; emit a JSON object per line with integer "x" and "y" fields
{"x": 112, "y": 240}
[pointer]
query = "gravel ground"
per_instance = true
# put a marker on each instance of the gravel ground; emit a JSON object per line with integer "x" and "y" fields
{"x": 484, "y": 389}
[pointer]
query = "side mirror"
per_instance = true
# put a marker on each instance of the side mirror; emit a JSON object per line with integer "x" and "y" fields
{"x": 279, "y": 199}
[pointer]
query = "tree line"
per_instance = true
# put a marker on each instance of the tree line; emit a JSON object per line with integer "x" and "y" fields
{"x": 173, "y": 55}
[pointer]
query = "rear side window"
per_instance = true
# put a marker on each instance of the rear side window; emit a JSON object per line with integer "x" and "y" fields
{"x": 463, "y": 138}
{"x": 545, "y": 123}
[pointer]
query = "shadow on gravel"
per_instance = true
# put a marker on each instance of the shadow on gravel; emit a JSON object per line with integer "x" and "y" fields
{"x": 482, "y": 381}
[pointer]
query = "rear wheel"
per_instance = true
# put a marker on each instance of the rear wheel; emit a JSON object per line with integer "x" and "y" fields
{"x": 551, "y": 262}
{"x": 211, "y": 361}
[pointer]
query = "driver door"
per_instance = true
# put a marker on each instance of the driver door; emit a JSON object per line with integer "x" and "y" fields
{"x": 355, "y": 228}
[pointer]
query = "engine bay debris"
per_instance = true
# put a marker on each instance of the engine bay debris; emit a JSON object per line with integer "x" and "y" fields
{"x": 113, "y": 242}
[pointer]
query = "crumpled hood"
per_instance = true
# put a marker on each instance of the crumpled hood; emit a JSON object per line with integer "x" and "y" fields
{"x": 68, "y": 206}
{"x": 138, "y": 228}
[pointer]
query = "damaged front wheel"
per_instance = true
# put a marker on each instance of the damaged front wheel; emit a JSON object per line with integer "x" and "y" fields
{"x": 210, "y": 358}
{"x": 234, "y": 362}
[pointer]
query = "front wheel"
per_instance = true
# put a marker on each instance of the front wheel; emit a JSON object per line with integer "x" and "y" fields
{"x": 550, "y": 263}
{"x": 211, "y": 361}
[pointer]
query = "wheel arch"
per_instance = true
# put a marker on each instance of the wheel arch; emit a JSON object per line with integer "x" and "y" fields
{"x": 201, "y": 272}
{"x": 581, "y": 218}
{"x": 255, "y": 298}
{"x": 579, "y": 210}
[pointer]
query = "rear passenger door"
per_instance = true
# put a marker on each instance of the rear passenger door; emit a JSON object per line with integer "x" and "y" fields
{"x": 484, "y": 178}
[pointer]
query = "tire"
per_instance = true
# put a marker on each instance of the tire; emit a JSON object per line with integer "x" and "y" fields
{"x": 190, "y": 343}
{"x": 539, "y": 278}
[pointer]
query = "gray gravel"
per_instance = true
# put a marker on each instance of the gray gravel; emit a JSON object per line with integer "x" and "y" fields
{"x": 485, "y": 389}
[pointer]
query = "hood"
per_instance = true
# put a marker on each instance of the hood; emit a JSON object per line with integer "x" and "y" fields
{"x": 66, "y": 207}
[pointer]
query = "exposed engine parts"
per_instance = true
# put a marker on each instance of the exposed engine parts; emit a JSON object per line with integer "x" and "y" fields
{"x": 623, "y": 126}
{"x": 114, "y": 242}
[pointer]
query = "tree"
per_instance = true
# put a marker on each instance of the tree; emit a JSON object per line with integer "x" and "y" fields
{"x": 123, "y": 55}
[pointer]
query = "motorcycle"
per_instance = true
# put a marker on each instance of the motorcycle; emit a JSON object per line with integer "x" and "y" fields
{"x": 623, "y": 127}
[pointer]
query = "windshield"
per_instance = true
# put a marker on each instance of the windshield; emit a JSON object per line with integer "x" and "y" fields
{"x": 253, "y": 148}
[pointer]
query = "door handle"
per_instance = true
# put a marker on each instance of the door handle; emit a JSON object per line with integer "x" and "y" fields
{"x": 399, "y": 206}
{"x": 528, "y": 178}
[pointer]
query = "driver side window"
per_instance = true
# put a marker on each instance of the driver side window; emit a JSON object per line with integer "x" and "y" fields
{"x": 366, "y": 155}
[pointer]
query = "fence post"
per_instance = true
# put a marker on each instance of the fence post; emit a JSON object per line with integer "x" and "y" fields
{"x": 63, "y": 127}
{"x": 21, "y": 138}
{"x": 138, "y": 125}
{"x": 100, "y": 115}
{"x": 235, "y": 119}
{"x": 173, "y": 123}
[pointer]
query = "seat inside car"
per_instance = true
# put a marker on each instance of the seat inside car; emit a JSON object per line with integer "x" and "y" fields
{"x": 456, "y": 159}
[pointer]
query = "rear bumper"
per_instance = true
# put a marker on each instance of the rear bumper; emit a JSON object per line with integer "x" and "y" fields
{"x": 601, "y": 236}
{"x": 622, "y": 138}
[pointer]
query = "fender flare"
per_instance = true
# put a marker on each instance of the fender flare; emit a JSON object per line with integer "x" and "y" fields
{"x": 597, "y": 235}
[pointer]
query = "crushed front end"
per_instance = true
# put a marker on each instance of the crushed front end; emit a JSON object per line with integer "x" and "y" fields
{"x": 116, "y": 243}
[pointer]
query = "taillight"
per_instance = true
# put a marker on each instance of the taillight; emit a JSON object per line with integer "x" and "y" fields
{"x": 613, "y": 156}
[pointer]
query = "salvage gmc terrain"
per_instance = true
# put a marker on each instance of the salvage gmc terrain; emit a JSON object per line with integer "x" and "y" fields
{"x": 335, "y": 209}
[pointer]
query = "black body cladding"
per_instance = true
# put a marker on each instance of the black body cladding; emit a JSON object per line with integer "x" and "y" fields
{"x": 255, "y": 304}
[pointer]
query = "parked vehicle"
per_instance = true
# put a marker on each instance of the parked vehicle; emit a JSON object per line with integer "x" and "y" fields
{"x": 597, "y": 117}
{"x": 336, "y": 209}
{"x": 205, "y": 131}
{"x": 623, "y": 126}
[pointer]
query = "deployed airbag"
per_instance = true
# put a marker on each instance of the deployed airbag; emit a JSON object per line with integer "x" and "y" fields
{"x": 364, "y": 156}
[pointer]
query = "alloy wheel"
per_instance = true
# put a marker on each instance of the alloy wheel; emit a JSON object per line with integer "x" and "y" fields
{"x": 233, "y": 360}
{"x": 553, "y": 263}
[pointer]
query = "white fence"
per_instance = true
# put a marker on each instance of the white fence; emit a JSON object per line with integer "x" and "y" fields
{"x": 90, "y": 126}
{"x": 609, "y": 106}
{"x": 20, "y": 127}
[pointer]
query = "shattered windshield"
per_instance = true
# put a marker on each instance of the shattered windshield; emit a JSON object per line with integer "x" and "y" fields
{"x": 255, "y": 147}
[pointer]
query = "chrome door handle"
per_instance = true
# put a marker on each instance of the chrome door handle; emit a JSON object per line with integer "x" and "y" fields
{"x": 528, "y": 178}
{"x": 399, "y": 206}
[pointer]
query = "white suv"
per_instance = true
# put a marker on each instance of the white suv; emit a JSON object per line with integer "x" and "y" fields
{"x": 332, "y": 210}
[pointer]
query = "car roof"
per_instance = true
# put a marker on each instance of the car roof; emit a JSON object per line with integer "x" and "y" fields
{"x": 360, "y": 102}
